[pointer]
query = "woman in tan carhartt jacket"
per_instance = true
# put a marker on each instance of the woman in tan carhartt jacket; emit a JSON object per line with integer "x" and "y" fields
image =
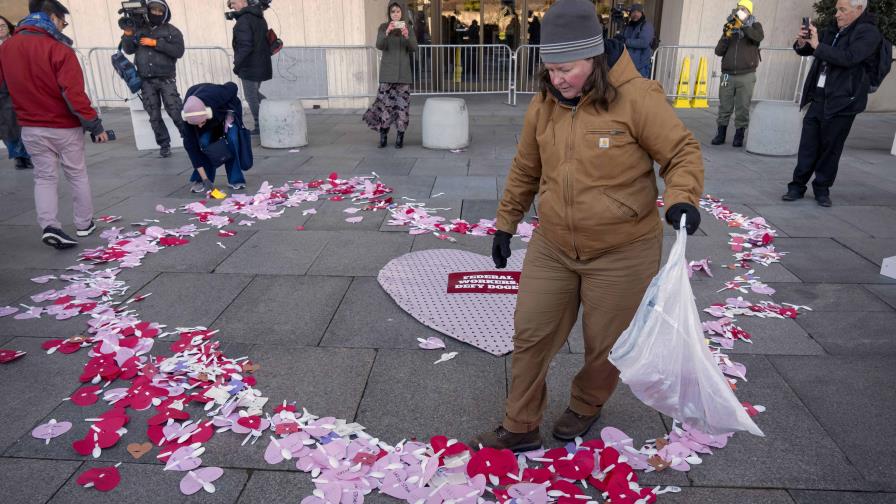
{"x": 587, "y": 151}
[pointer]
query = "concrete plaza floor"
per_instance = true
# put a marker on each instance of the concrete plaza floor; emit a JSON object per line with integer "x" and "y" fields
{"x": 307, "y": 308}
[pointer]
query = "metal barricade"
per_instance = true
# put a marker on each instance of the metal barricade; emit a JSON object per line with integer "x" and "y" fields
{"x": 526, "y": 70}
{"x": 199, "y": 64}
{"x": 462, "y": 69}
{"x": 779, "y": 76}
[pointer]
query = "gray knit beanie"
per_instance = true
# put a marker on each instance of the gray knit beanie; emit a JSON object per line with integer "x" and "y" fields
{"x": 570, "y": 31}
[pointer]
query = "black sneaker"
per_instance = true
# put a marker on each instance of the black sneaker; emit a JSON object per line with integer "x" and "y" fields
{"x": 165, "y": 151}
{"x": 255, "y": 131}
{"x": 824, "y": 200}
{"x": 23, "y": 163}
{"x": 792, "y": 196}
{"x": 87, "y": 231}
{"x": 56, "y": 237}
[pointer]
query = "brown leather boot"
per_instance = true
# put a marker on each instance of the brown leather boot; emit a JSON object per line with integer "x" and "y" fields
{"x": 571, "y": 425}
{"x": 502, "y": 439}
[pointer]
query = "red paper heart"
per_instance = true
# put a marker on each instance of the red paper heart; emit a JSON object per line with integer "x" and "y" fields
{"x": 493, "y": 462}
{"x": 9, "y": 356}
{"x": 250, "y": 422}
{"x": 577, "y": 468}
{"x": 104, "y": 479}
{"x": 85, "y": 396}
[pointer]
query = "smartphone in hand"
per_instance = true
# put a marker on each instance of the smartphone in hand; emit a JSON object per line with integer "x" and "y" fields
{"x": 109, "y": 133}
{"x": 806, "y": 25}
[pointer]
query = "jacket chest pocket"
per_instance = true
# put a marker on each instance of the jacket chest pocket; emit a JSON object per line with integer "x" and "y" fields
{"x": 607, "y": 140}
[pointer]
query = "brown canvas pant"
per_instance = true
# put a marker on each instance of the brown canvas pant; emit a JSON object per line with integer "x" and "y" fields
{"x": 552, "y": 286}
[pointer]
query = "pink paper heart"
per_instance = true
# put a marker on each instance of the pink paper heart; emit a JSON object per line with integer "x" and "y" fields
{"x": 528, "y": 493}
{"x": 7, "y": 310}
{"x": 50, "y": 430}
{"x": 200, "y": 479}
{"x": 183, "y": 460}
{"x": 431, "y": 343}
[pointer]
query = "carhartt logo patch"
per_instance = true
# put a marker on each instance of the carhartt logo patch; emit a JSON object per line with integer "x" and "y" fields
{"x": 603, "y": 143}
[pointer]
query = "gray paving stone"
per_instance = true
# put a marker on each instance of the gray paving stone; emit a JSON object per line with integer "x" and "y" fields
{"x": 276, "y": 253}
{"x": 331, "y": 164}
{"x": 853, "y": 333}
{"x": 775, "y": 337}
{"x": 326, "y": 381}
{"x": 268, "y": 487}
{"x": 697, "y": 495}
{"x": 368, "y": 318}
{"x": 820, "y": 260}
{"x": 413, "y": 186}
{"x": 873, "y": 249}
{"x": 32, "y": 386}
{"x": 360, "y": 253}
{"x": 18, "y": 478}
{"x": 22, "y": 248}
{"x": 835, "y": 389}
{"x": 386, "y": 166}
{"x": 829, "y": 297}
{"x": 800, "y": 221}
{"x": 818, "y": 497}
{"x": 475, "y": 210}
{"x": 190, "y": 299}
{"x": 101, "y": 201}
{"x": 202, "y": 254}
{"x": 716, "y": 248}
{"x": 440, "y": 167}
{"x": 466, "y": 187}
{"x": 409, "y": 396}
{"x": 152, "y": 185}
{"x": 884, "y": 292}
{"x": 149, "y": 484}
{"x": 286, "y": 163}
{"x": 877, "y": 221}
{"x": 796, "y": 453}
{"x": 331, "y": 216}
{"x": 139, "y": 207}
{"x": 490, "y": 167}
{"x": 286, "y": 310}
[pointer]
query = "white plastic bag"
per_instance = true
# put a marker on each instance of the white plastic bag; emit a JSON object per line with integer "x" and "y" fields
{"x": 664, "y": 358}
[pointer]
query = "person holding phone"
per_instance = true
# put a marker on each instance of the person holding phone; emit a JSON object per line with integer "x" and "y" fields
{"x": 41, "y": 72}
{"x": 836, "y": 90}
{"x": 739, "y": 49}
{"x": 393, "y": 100}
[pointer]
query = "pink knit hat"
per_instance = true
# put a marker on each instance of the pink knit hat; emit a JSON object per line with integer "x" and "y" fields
{"x": 195, "y": 112}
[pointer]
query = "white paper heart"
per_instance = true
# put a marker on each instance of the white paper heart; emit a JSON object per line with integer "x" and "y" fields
{"x": 418, "y": 282}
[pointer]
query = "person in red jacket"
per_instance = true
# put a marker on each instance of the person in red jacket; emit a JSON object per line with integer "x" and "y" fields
{"x": 40, "y": 71}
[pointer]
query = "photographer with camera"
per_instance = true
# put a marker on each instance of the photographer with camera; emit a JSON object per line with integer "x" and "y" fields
{"x": 158, "y": 45}
{"x": 40, "y": 70}
{"x": 638, "y": 38}
{"x": 739, "y": 49}
{"x": 836, "y": 90}
{"x": 251, "y": 50}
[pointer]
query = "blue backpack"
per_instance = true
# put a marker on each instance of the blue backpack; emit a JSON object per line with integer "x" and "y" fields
{"x": 127, "y": 71}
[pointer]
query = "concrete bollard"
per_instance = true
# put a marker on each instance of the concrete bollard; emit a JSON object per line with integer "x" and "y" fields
{"x": 143, "y": 134}
{"x": 446, "y": 123}
{"x": 775, "y": 129}
{"x": 282, "y": 124}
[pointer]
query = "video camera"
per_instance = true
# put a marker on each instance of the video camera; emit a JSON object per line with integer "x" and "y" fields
{"x": 264, "y": 4}
{"x": 133, "y": 14}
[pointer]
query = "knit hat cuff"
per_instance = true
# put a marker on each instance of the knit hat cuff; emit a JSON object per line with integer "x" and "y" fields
{"x": 564, "y": 52}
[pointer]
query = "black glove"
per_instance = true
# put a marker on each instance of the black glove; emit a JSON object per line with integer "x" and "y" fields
{"x": 691, "y": 213}
{"x": 501, "y": 249}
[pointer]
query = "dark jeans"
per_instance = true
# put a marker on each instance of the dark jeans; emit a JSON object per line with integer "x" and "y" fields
{"x": 154, "y": 93}
{"x": 233, "y": 167}
{"x": 16, "y": 148}
{"x": 821, "y": 145}
{"x": 252, "y": 91}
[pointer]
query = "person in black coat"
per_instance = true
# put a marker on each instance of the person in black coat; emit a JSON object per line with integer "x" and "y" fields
{"x": 158, "y": 45}
{"x": 10, "y": 131}
{"x": 211, "y": 112}
{"x": 836, "y": 90}
{"x": 251, "y": 52}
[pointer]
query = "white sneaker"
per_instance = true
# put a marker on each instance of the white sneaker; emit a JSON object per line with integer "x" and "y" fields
{"x": 197, "y": 187}
{"x": 237, "y": 187}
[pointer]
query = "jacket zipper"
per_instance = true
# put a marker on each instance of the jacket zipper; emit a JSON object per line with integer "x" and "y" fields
{"x": 568, "y": 189}
{"x": 606, "y": 131}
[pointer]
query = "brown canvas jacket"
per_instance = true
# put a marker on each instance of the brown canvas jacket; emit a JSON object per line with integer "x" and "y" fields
{"x": 593, "y": 170}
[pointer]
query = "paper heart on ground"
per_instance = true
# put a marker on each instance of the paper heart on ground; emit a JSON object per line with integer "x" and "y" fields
{"x": 7, "y": 310}
{"x": 431, "y": 343}
{"x": 50, "y": 430}
{"x": 138, "y": 450}
{"x": 200, "y": 479}
{"x": 418, "y": 282}
{"x": 103, "y": 479}
{"x": 10, "y": 355}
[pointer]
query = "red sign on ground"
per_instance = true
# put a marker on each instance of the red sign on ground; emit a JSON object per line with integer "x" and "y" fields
{"x": 484, "y": 282}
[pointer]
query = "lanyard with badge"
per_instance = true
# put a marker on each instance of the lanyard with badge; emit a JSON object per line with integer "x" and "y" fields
{"x": 824, "y": 65}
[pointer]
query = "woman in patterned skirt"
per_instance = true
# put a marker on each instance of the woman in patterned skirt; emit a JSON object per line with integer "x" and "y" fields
{"x": 393, "y": 100}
